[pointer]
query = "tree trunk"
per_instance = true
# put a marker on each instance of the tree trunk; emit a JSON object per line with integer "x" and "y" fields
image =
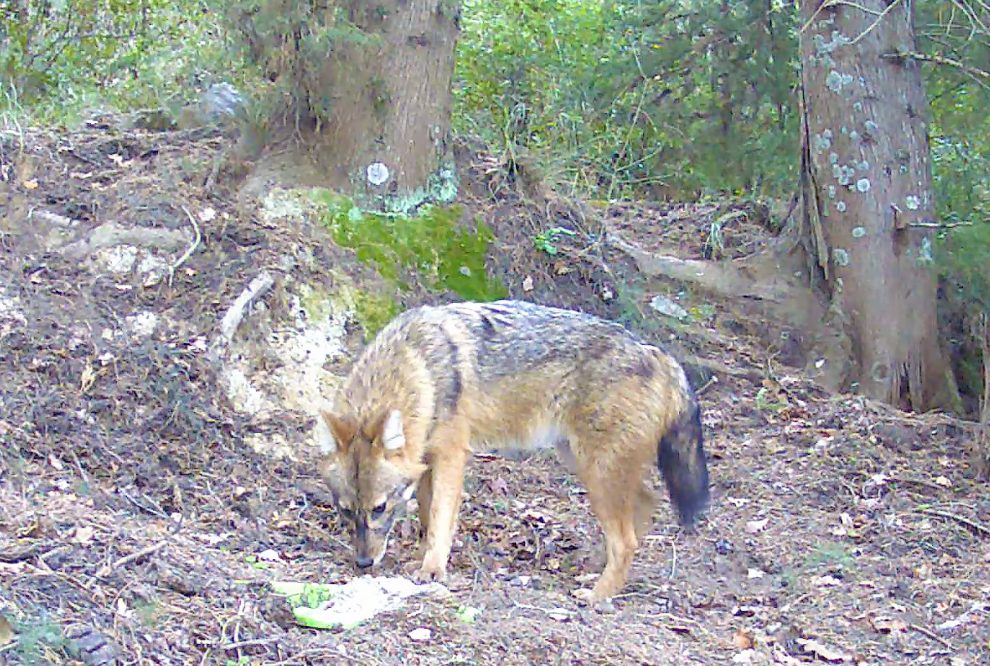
{"x": 386, "y": 92}
{"x": 867, "y": 196}
{"x": 983, "y": 433}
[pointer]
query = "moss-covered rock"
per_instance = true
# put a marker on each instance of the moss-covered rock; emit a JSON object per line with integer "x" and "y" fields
{"x": 445, "y": 254}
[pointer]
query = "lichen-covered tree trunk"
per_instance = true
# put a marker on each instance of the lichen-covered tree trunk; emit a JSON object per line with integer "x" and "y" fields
{"x": 867, "y": 200}
{"x": 387, "y": 101}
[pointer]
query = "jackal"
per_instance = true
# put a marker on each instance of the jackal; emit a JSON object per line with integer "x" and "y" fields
{"x": 440, "y": 381}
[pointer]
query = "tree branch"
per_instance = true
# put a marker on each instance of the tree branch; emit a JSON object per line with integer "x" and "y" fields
{"x": 980, "y": 75}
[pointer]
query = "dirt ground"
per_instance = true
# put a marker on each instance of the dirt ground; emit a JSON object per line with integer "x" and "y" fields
{"x": 137, "y": 526}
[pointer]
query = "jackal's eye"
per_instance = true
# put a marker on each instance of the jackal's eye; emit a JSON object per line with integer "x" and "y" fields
{"x": 378, "y": 510}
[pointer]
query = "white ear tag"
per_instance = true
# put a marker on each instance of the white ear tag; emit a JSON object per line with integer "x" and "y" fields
{"x": 324, "y": 436}
{"x": 393, "y": 438}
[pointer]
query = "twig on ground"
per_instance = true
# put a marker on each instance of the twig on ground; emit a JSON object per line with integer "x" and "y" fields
{"x": 246, "y": 643}
{"x": 197, "y": 237}
{"x": 232, "y": 318}
{"x": 707, "y": 385}
{"x": 930, "y": 634}
{"x": 974, "y": 526}
{"x": 127, "y": 559}
{"x": 720, "y": 367}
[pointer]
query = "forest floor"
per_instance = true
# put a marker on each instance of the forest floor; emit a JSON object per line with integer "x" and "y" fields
{"x": 141, "y": 523}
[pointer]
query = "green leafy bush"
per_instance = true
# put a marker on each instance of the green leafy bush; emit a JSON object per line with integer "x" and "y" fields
{"x": 626, "y": 98}
{"x": 60, "y": 57}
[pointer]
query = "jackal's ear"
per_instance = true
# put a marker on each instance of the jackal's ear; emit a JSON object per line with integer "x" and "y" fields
{"x": 333, "y": 434}
{"x": 393, "y": 438}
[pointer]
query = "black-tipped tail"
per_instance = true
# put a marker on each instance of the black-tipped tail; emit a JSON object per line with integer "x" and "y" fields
{"x": 681, "y": 459}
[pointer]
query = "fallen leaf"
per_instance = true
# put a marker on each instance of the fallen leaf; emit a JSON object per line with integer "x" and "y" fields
{"x": 742, "y": 639}
{"x": 744, "y": 657}
{"x": 943, "y": 481}
{"x": 83, "y": 534}
{"x": 88, "y": 377}
{"x": 823, "y": 652}
{"x": 31, "y": 184}
{"x": 421, "y": 634}
{"x": 468, "y": 614}
{"x": 827, "y": 581}
{"x": 6, "y": 631}
{"x": 755, "y": 573}
{"x": 207, "y": 214}
{"x": 888, "y": 625}
{"x": 527, "y": 283}
{"x": 755, "y": 526}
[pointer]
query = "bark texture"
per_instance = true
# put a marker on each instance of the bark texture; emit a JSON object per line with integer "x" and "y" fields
{"x": 983, "y": 434}
{"x": 867, "y": 188}
{"x": 387, "y": 94}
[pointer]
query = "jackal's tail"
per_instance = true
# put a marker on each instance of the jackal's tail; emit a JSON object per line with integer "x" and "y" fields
{"x": 681, "y": 459}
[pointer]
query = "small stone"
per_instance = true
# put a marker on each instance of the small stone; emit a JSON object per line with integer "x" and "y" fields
{"x": 420, "y": 634}
{"x": 667, "y": 307}
{"x": 724, "y": 547}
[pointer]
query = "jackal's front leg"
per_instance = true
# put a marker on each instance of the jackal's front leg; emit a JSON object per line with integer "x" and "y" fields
{"x": 445, "y": 503}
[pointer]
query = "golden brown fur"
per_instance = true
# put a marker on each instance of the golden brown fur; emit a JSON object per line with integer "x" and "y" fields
{"x": 439, "y": 381}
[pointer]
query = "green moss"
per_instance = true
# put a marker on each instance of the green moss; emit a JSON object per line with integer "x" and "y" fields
{"x": 370, "y": 309}
{"x": 315, "y": 302}
{"x": 445, "y": 254}
{"x": 373, "y": 311}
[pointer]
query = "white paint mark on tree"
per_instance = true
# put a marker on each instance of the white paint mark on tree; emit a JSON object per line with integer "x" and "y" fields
{"x": 377, "y": 173}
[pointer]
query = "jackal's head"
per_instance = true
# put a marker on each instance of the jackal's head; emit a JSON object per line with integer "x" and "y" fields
{"x": 371, "y": 476}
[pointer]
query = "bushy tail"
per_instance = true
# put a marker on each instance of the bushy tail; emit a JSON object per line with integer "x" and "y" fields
{"x": 681, "y": 459}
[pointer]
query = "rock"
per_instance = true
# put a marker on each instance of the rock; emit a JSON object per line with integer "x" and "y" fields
{"x": 667, "y": 307}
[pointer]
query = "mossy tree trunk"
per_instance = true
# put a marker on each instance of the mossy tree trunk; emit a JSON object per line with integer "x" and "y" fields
{"x": 386, "y": 92}
{"x": 868, "y": 206}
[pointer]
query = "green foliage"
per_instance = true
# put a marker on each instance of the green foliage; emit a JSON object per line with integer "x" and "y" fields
{"x": 36, "y": 635}
{"x": 544, "y": 241}
{"x": 444, "y": 254}
{"x": 622, "y": 98}
{"x": 287, "y": 44}
{"x": 60, "y": 58}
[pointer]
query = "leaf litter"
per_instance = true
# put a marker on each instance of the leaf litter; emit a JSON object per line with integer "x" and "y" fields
{"x": 134, "y": 513}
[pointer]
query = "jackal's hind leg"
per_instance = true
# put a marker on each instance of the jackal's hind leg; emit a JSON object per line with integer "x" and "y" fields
{"x": 618, "y": 505}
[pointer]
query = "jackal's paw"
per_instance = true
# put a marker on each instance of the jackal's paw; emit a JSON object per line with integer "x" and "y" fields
{"x": 431, "y": 571}
{"x": 588, "y": 597}
{"x": 431, "y": 575}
